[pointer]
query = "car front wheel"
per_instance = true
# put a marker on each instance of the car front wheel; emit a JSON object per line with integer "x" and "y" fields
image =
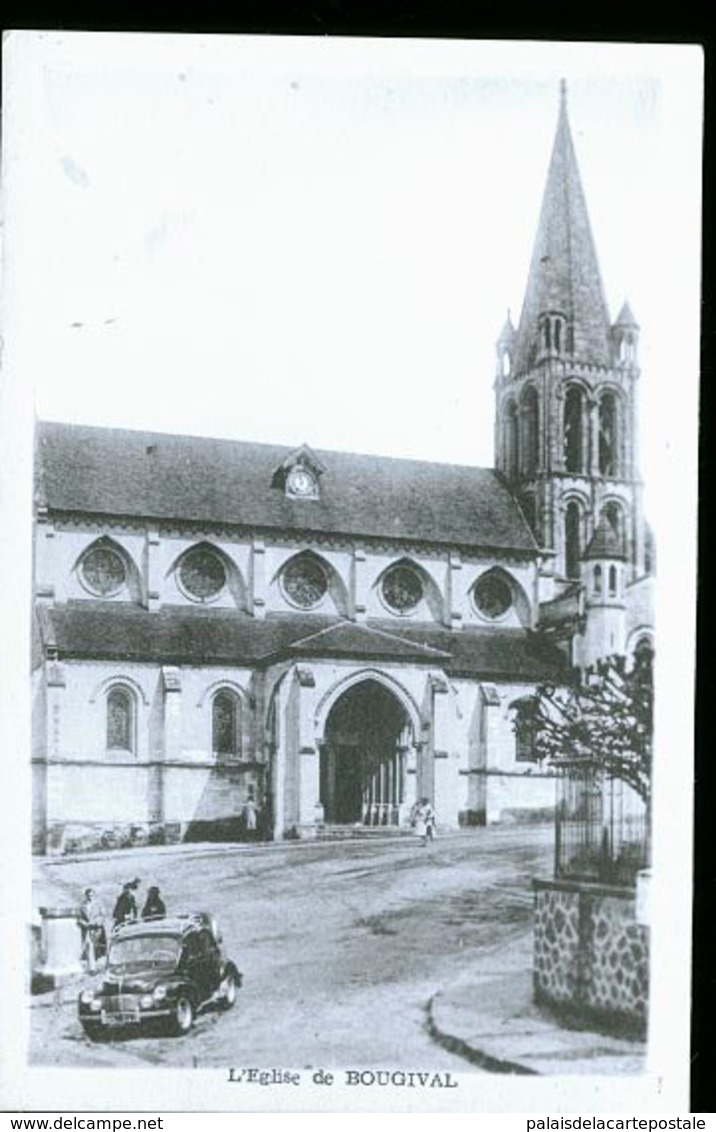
{"x": 93, "y": 1030}
{"x": 183, "y": 1015}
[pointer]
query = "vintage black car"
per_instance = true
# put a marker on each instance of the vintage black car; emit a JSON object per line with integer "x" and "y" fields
{"x": 161, "y": 970}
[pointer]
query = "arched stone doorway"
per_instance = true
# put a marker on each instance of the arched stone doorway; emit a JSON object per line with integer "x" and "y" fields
{"x": 364, "y": 757}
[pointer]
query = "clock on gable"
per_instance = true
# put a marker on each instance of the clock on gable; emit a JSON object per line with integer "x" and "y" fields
{"x": 300, "y": 482}
{"x": 299, "y": 474}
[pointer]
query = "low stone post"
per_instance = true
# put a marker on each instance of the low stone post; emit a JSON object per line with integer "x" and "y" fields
{"x": 61, "y": 944}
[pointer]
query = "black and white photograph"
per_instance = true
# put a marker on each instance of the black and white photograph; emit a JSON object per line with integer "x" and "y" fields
{"x": 348, "y": 429}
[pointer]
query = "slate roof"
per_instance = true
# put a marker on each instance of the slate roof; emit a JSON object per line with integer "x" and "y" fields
{"x": 184, "y": 635}
{"x": 605, "y": 542}
{"x": 564, "y": 273}
{"x": 155, "y": 476}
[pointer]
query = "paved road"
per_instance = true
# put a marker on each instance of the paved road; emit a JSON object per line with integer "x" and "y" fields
{"x": 341, "y": 945}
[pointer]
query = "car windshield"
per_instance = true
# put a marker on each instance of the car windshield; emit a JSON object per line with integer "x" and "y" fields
{"x": 144, "y": 951}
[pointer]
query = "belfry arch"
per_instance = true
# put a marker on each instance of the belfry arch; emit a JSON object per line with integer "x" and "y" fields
{"x": 368, "y": 743}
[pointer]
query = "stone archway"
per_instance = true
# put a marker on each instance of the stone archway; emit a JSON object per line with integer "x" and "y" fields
{"x": 364, "y": 756}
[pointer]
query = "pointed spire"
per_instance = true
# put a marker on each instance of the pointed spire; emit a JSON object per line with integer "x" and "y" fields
{"x": 626, "y": 318}
{"x": 564, "y": 274}
{"x": 507, "y": 334}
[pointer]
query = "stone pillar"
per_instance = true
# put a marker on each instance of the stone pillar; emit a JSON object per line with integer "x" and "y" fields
{"x": 643, "y": 897}
{"x": 47, "y": 576}
{"x": 453, "y": 595}
{"x": 557, "y": 439}
{"x": 490, "y": 733}
{"x": 437, "y": 765}
{"x": 413, "y": 759}
{"x": 55, "y": 678}
{"x": 592, "y": 409}
{"x": 258, "y": 578}
{"x": 310, "y": 811}
{"x": 54, "y": 774}
{"x": 359, "y": 581}
{"x": 277, "y": 754}
{"x": 61, "y": 944}
{"x": 171, "y": 682}
{"x": 152, "y": 570}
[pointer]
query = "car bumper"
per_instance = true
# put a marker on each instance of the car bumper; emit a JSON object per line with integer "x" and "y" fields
{"x": 127, "y": 1017}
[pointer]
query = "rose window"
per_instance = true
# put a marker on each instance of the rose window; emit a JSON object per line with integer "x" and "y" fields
{"x": 402, "y": 588}
{"x": 304, "y": 582}
{"x": 202, "y": 574}
{"x": 493, "y": 595}
{"x": 103, "y": 571}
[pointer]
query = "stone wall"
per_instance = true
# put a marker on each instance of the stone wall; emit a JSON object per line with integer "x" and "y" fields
{"x": 591, "y": 957}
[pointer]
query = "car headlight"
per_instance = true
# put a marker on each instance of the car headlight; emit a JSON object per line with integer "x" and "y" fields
{"x": 160, "y": 993}
{"x": 87, "y": 996}
{"x": 146, "y": 1001}
{"x": 95, "y": 1005}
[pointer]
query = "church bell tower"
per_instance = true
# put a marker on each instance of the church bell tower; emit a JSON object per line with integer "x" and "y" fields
{"x": 565, "y": 391}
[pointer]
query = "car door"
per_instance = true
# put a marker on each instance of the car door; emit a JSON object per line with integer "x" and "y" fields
{"x": 210, "y": 962}
{"x": 191, "y": 965}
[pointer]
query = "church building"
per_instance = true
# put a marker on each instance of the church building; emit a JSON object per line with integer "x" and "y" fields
{"x": 321, "y": 638}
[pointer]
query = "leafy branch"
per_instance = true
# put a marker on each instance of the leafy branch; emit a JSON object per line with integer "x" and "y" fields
{"x": 606, "y": 717}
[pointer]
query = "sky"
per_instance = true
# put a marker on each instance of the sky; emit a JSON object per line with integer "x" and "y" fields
{"x": 318, "y": 240}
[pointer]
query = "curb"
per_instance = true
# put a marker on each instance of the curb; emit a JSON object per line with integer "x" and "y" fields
{"x": 476, "y": 1057}
{"x": 239, "y": 848}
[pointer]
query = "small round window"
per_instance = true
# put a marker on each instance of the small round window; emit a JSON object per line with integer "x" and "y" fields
{"x": 103, "y": 571}
{"x": 493, "y": 596}
{"x": 402, "y": 588}
{"x": 304, "y": 582}
{"x": 201, "y": 574}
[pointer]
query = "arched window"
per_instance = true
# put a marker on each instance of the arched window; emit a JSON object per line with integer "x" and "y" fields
{"x": 608, "y": 435}
{"x": 614, "y": 514}
{"x": 557, "y": 334}
{"x": 226, "y": 724}
{"x": 402, "y": 588}
{"x": 523, "y": 722}
{"x": 511, "y": 440}
{"x": 597, "y": 580}
{"x": 644, "y": 659}
{"x": 572, "y": 547}
{"x": 304, "y": 581}
{"x": 121, "y": 730}
{"x": 201, "y": 573}
{"x": 530, "y": 431}
{"x": 574, "y": 430}
{"x": 103, "y": 571}
{"x": 612, "y": 581}
{"x": 492, "y": 594}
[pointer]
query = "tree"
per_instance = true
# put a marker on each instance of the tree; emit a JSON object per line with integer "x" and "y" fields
{"x": 605, "y": 717}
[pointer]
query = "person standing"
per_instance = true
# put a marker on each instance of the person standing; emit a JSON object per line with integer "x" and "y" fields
{"x": 154, "y": 907}
{"x": 431, "y": 821}
{"x": 250, "y": 817}
{"x": 125, "y": 909}
{"x": 90, "y": 917}
{"x": 423, "y": 820}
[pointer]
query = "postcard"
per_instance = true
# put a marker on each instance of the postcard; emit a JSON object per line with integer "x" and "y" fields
{"x": 349, "y": 417}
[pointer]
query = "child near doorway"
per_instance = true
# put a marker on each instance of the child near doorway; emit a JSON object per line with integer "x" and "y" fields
{"x": 423, "y": 820}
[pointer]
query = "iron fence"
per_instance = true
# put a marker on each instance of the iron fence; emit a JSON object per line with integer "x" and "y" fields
{"x": 602, "y": 828}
